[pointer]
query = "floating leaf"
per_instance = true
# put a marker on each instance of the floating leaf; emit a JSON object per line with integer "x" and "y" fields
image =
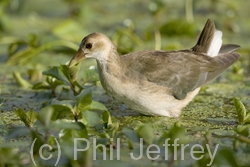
{"x": 20, "y": 81}
{"x": 223, "y": 121}
{"x": 146, "y": 132}
{"x": 241, "y": 111}
{"x": 27, "y": 118}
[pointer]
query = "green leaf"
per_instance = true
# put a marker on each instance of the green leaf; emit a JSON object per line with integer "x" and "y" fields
{"x": 67, "y": 135}
{"x": 31, "y": 117}
{"x": 70, "y": 73}
{"x": 62, "y": 124}
{"x": 10, "y": 156}
{"x": 16, "y": 45}
{"x": 146, "y": 132}
{"x": 53, "y": 82}
{"x": 41, "y": 85}
{"x": 56, "y": 73}
{"x": 177, "y": 28}
{"x": 65, "y": 70}
{"x": 79, "y": 86}
{"x": 27, "y": 118}
{"x": 243, "y": 130}
{"x": 20, "y": 81}
{"x": 247, "y": 116}
{"x": 90, "y": 75}
{"x": 247, "y": 120}
{"x": 69, "y": 30}
{"x": 107, "y": 119}
{"x": 35, "y": 75}
{"x": 45, "y": 116}
{"x": 241, "y": 111}
{"x": 228, "y": 155}
{"x": 95, "y": 105}
{"x": 92, "y": 118}
{"x": 178, "y": 131}
{"x": 65, "y": 95}
{"x": 38, "y": 142}
{"x": 61, "y": 112}
{"x": 22, "y": 57}
{"x": 33, "y": 40}
{"x": 21, "y": 114}
{"x": 84, "y": 99}
{"x": 131, "y": 135}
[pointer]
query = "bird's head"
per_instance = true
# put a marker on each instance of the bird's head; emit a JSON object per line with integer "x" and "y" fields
{"x": 95, "y": 45}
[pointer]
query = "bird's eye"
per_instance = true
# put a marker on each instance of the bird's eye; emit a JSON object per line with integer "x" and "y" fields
{"x": 88, "y": 45}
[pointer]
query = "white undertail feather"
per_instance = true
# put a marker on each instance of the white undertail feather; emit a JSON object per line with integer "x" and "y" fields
{"x": 215, "y": 44}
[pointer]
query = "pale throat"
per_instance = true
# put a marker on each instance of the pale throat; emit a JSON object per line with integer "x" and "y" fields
{"x": 110, "y": 71}
{"x": 109, "y": 61}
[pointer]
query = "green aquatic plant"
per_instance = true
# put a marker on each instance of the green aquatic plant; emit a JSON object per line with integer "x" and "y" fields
{"x": 243, "y": 114}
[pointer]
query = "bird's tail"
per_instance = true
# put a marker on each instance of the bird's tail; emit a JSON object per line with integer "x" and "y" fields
{"x": 210, "y": 40}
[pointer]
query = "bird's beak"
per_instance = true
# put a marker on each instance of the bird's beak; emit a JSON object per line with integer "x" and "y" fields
{"x": 79, "y": 56}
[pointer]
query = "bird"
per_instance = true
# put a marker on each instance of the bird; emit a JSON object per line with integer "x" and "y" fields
{"x": 158, "y": 82}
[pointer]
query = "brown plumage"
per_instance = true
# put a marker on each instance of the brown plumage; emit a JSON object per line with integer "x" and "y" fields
{"x": 158, "y": 82}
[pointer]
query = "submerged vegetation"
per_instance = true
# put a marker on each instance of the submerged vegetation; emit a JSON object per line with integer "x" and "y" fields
{"x": 54, "y": 115}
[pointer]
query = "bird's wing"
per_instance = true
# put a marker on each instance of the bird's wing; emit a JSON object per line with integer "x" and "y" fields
{"x": 181, "y": 71}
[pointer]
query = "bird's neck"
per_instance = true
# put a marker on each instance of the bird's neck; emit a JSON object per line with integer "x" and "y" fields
{"x": 110, "y": 71}
{"x": 111, "y": 65}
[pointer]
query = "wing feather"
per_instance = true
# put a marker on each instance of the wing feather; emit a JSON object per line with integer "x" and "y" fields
{"x": 181, "y": 71}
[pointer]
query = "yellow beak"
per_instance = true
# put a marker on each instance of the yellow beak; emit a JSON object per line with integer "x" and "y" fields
{"x": 79, "y": 56}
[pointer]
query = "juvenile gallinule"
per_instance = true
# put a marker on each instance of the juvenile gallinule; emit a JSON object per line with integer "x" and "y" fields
{"x": 156, "y": 82}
